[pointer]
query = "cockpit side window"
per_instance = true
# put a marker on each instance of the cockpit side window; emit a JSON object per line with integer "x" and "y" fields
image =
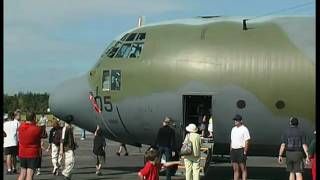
{"x": 141, "y": 37}
{"x": 113, "y": 50}
{"x": 131, "y": 37}
{"x": 124, "y": 37}
{"x": 106, "y": 80}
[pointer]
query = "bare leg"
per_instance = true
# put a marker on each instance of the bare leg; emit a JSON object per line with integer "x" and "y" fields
{"x": 235, "y": 171}
{"x": 99, "y": 167}
{"x": 14, "y": 162}
{"x": 8, "y": 160}
{"x": 125, "y": 148}
{"x": 23, "y": 173}
{"x": 299, "y": 176}
{"x": 30, "y": 173}
{"x": 244, "y": 171}
{"x": 291, "y": 177}
{"x": 120, "y": 149}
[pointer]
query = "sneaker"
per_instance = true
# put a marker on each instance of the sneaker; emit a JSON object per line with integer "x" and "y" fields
{"x": 82, "y": 139}
{"x": 126, "y": 154}
{"x": 8, "y": 173}
{"x": 14, "y": 171}
{"x": 118, "y": 153}
{"x": 38, "y": 172}
{"x": 99, "y": 174}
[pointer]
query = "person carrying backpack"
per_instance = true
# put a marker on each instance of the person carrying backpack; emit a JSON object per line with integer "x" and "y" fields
{"x": 54, "y": 145}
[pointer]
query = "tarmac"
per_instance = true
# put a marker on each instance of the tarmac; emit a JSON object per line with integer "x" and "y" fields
{"x": 126, "y": 167}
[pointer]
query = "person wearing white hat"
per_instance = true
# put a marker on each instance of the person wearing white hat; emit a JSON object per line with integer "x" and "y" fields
{"x": 192, "y": 162}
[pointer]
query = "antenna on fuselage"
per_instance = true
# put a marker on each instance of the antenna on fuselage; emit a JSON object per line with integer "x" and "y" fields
{"x": 141, "y": 21}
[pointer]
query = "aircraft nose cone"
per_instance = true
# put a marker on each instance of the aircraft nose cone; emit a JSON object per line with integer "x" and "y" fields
{"x": 71, "y": 99}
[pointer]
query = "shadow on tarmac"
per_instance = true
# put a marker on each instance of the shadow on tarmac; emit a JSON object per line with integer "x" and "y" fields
{"x": 270, "y": 173}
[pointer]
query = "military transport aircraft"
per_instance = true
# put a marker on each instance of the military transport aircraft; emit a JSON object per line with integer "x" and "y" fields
{"x": 262, "y": 69}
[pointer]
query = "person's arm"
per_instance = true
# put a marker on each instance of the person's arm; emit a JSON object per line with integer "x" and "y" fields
{"x": 247, "y": 141}
{"x": 140, "y": 176}
{"x": 144, "y": 171}
{"x": 281, "y": 150}
{"x": 172, "y": 163}
{"x": 246, "y": 147}
{"x": 305, "y": 148}
{"x": 173, "y": 141}
{"x": 62, "y": 140}
{"x": 95, "y": 132}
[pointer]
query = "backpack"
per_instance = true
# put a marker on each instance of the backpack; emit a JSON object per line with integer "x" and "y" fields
{"x": 56, "y": 139}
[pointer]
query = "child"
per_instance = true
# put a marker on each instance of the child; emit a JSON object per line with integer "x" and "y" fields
{"x": 99, "y": 145}
{"x": 151, "y": 170}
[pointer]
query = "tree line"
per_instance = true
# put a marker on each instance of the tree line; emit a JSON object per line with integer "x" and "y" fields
{"x": 26, "y": 102}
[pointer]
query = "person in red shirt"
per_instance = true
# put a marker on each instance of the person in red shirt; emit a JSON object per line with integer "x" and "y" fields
{"x": 29, "y": 147}
{"x": 151, "y": 169}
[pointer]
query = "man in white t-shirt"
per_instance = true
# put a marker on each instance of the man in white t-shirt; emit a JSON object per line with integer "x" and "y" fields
{"x": 10, "y": 143}
{"x": 239, "y": 147}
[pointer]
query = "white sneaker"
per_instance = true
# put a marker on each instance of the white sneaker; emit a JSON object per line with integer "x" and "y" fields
{"x": 38, "y": 172}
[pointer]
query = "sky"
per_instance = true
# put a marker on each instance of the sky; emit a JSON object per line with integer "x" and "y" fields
{"x": 49, "y": 41}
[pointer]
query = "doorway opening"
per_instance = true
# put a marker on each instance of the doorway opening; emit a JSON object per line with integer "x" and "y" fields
{"x": 194, "y": 108}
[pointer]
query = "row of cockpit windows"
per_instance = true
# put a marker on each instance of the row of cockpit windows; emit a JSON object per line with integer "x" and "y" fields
{"x": 130, "y": 46}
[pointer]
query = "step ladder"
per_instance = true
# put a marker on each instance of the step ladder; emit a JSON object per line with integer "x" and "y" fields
{"x": 205, "y": 157}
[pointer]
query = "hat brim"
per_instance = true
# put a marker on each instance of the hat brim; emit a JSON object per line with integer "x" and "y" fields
{"x": 191, "y": 130}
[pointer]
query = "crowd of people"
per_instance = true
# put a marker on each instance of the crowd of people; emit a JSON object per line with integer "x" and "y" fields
{"x": 24, "y": 141}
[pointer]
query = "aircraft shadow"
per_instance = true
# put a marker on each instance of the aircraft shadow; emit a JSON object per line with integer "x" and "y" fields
{"x": 270, "y": 173}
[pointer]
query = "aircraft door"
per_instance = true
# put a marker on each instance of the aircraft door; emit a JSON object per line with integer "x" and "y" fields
{"x": 195, "y": 107}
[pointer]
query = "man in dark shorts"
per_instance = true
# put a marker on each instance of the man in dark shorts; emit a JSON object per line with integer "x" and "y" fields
{"x": 29, "y": 147}
{"x": 294, "y": 142}
{"x": 10, "y": 143}
{"x": 240, "y": 138}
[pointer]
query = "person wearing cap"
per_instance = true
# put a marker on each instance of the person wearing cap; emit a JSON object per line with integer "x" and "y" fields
{"x": 10, "y": 142}
{"x": 312, "y": 156}
{"x": 192, "y": 162}
{"x": 166, "y": 143}
{"x": 293, "y": 140}
{"x": 239, "y": 145}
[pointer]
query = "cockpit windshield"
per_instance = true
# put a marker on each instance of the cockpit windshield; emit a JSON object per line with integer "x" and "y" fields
{"x": 129, "y": 46}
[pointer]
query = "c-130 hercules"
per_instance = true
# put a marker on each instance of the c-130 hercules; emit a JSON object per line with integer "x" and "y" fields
{"x": 264, "y": 71}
